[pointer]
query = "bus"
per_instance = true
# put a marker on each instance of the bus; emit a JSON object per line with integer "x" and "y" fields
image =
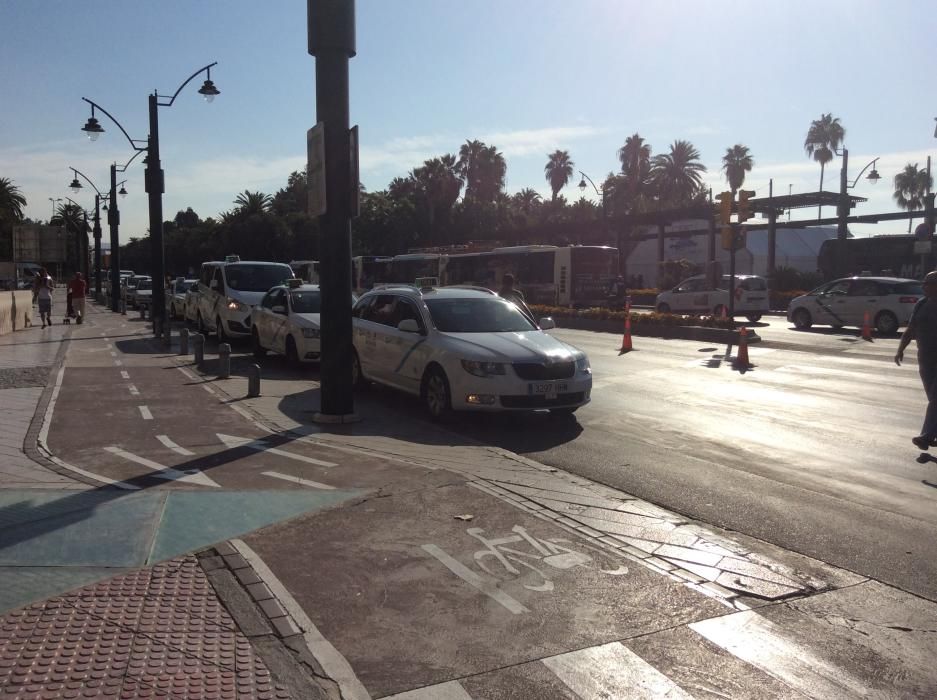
{"x": 578, "y": 276}
{"x": 878, "y": 255}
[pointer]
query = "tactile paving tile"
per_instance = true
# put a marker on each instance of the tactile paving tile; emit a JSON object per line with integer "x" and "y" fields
{"x": 154, "y": 633}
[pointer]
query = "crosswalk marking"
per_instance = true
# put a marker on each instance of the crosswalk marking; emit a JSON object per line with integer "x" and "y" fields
{"x": 760, "y": 642}
{"x": 163, "y": 472}
{"x": 145, "y": 412}
{"x": 173, "y": 446}
{"x": 231, "y": 442}
{"x": 612, "y": 671}
{"x": 297, "y": 480}
{"x": 124, "y": 374}
{"x": 452, "y": 690}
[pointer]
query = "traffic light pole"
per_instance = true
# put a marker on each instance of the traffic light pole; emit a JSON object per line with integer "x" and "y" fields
{"x": 735, "y": 238}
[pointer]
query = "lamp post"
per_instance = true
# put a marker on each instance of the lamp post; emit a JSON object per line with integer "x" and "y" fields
{"x": 844, "y": 205}
{"x": 601, "y": 193}
{"x": 54, "y": 200}
{"x": 76, "y": 186}
{"x": 154, "y": 181}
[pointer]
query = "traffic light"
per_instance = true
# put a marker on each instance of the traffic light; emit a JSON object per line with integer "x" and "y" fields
{"x": 727, "y": 237}
{"x": 725, "y": 206}
{"x": 745, "y": 211}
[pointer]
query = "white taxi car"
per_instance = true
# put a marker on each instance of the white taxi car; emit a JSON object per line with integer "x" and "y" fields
{"x": 844, "y": 302}
{"x": 462, "y": 348}
{"x": 177, "y": 296}
{"x": 695, "y": 295}
{"x": 286, "y": 321}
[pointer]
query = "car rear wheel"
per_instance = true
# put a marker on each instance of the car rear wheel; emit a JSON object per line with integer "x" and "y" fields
{"x": 292, "y": 354}
{"x": 259, "y": 351}
{"x": 886, "y": 323}
{"x": 801, "y": 319}
{"x": 436, "y": 394}
{"x": 663, "y": 308}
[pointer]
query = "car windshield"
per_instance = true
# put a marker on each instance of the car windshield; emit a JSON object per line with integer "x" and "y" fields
{"x": 143, "y": 285}
{"x": 255, "y": 278}
{"x": 305, "y": 301}
{"x": 489, "y": 315}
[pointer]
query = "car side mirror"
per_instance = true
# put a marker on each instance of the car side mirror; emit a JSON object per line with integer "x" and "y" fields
{"x": 547, "y": 323}
{"x": 408, "y": 325}
{"x": 278, "y": 309}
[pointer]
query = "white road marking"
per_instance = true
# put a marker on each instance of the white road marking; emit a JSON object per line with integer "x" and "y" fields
{"x": 297, "y": 480}
{"x": 760, "y": 642}
{"x": 118, "y": 363}
{"x": 452, "y": 690}
{"x": 145, "y": 412}
{"x": 489, "y": 588}
{"x": 173, "y": 446}
{"x": 124, "y": 374}
{"x": 113, "y": 354}
{"x": 193, "y": 476}
{"x": 47, "y": 421}
{"x": 612, "y": 671}
{"x": 231, "y": 441}
{"x": 330, "y": 659}
{"x": 133, "y": 390}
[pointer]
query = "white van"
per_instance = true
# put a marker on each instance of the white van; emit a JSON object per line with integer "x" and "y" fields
{"x": 227, "y": 291}
{"x": 696, "y": 296}
{"x": 306, "y": 270}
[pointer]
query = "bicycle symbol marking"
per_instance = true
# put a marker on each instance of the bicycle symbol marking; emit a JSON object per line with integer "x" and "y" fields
{"x": 520, "y": 554}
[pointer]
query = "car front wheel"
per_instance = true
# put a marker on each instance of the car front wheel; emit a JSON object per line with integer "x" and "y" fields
{"x": 754, "y": 318}
{"x": 801, "y": 319}
{"x": 886, "y": 323}
{"x": 436, "y": 394}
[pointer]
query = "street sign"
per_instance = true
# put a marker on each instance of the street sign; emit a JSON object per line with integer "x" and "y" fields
{"x": 315, "y": 169}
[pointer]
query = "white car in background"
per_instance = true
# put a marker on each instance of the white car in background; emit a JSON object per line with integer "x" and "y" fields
{"x": 844, "y": 302}
{"x": 177, "y": 296}
{"x": 465, "y": 349}
{"x": 286, "y": 321}
{"x": 695, "y": 295}
{"x": 143, "y": 294}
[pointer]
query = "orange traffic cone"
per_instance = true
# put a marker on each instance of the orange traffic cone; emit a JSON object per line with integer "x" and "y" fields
{"x": 867, "y": 327}
{"x": 741, "y": 358}
{"x": 626, "y": 338}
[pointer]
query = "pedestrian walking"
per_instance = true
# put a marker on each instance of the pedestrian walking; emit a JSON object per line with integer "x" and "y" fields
{"x": 42, "y": 294}
{"x": 922, "y": 327}
{"x": 511, "y": 293}
{"x": 78, "y": 288}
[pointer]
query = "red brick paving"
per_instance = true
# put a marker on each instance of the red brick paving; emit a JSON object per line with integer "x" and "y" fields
{"x": 154, "y": 633}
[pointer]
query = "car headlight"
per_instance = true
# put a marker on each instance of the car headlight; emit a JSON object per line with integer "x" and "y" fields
{"x": 582, "y": 364}
{"x": 235, "y": 305}
{"x": 483, "y": 369}
{"x": 310, "y": 332}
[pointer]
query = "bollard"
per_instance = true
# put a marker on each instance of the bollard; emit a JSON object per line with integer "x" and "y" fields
{"x": 253, "y": 381}
{"x": 184, "y": 341}
{"x": 198, "y": 342}
{"x": 167, "y": 333}
{"x": 123, "y": 307}
{"x": 224, "y": 361}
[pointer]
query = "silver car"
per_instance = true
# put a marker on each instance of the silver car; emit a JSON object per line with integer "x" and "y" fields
{"x": 844, "y": 302}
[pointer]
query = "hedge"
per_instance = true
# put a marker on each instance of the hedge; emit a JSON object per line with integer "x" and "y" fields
{"x": 650, "y": 319}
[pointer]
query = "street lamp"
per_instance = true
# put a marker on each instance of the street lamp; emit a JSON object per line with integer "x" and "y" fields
{"x": 76, "y": 186}
{"x": 154, "y": 182}
{"x": 54, "y": 200}
{"x": 601, "y": 193}
{"x": 844, "y": 204}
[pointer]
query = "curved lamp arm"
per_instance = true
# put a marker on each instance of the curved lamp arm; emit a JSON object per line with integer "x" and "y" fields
{"x": 122, "y": 168}
{"x": 133, "y": 142}
{"x": 859, "y": 176}
{"x": 188, "y": 80}
{"x": 586, "y": 177}
{"x": 78, "y": 172}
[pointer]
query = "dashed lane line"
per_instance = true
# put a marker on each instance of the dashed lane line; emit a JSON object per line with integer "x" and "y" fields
{"x": 301, "y": 482}
{"x": 193, "y": 476}
{"x": 145, "y": 412}
{"x": 133, "y": 390}
{"x": 124, "y": 374}
{"x": 173, "y": 446}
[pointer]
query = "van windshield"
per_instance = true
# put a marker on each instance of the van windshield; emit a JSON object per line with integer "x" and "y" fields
{"x": 259, "y": 277}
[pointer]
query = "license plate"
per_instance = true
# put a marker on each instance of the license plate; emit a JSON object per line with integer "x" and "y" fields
{"x": 547, "y": 389}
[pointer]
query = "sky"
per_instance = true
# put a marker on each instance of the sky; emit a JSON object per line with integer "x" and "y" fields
{"x": 527, "y": 76}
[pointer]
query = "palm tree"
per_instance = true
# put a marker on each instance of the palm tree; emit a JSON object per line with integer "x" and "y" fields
{"x": 911, "y": 185}
{"x": 635, "y": 158}
{"x": 558, "y": 170}
{"x": 482, "y": 168}
{"x": 527, "y": 199}
{"x": 439, "y": 185}
{"x": 248, "y": 203}
{"x": 736, "y": 162}
{"x": 678, "y": 175}
{"x": 824, "y": 136}
{"x": 11, "y": 201}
